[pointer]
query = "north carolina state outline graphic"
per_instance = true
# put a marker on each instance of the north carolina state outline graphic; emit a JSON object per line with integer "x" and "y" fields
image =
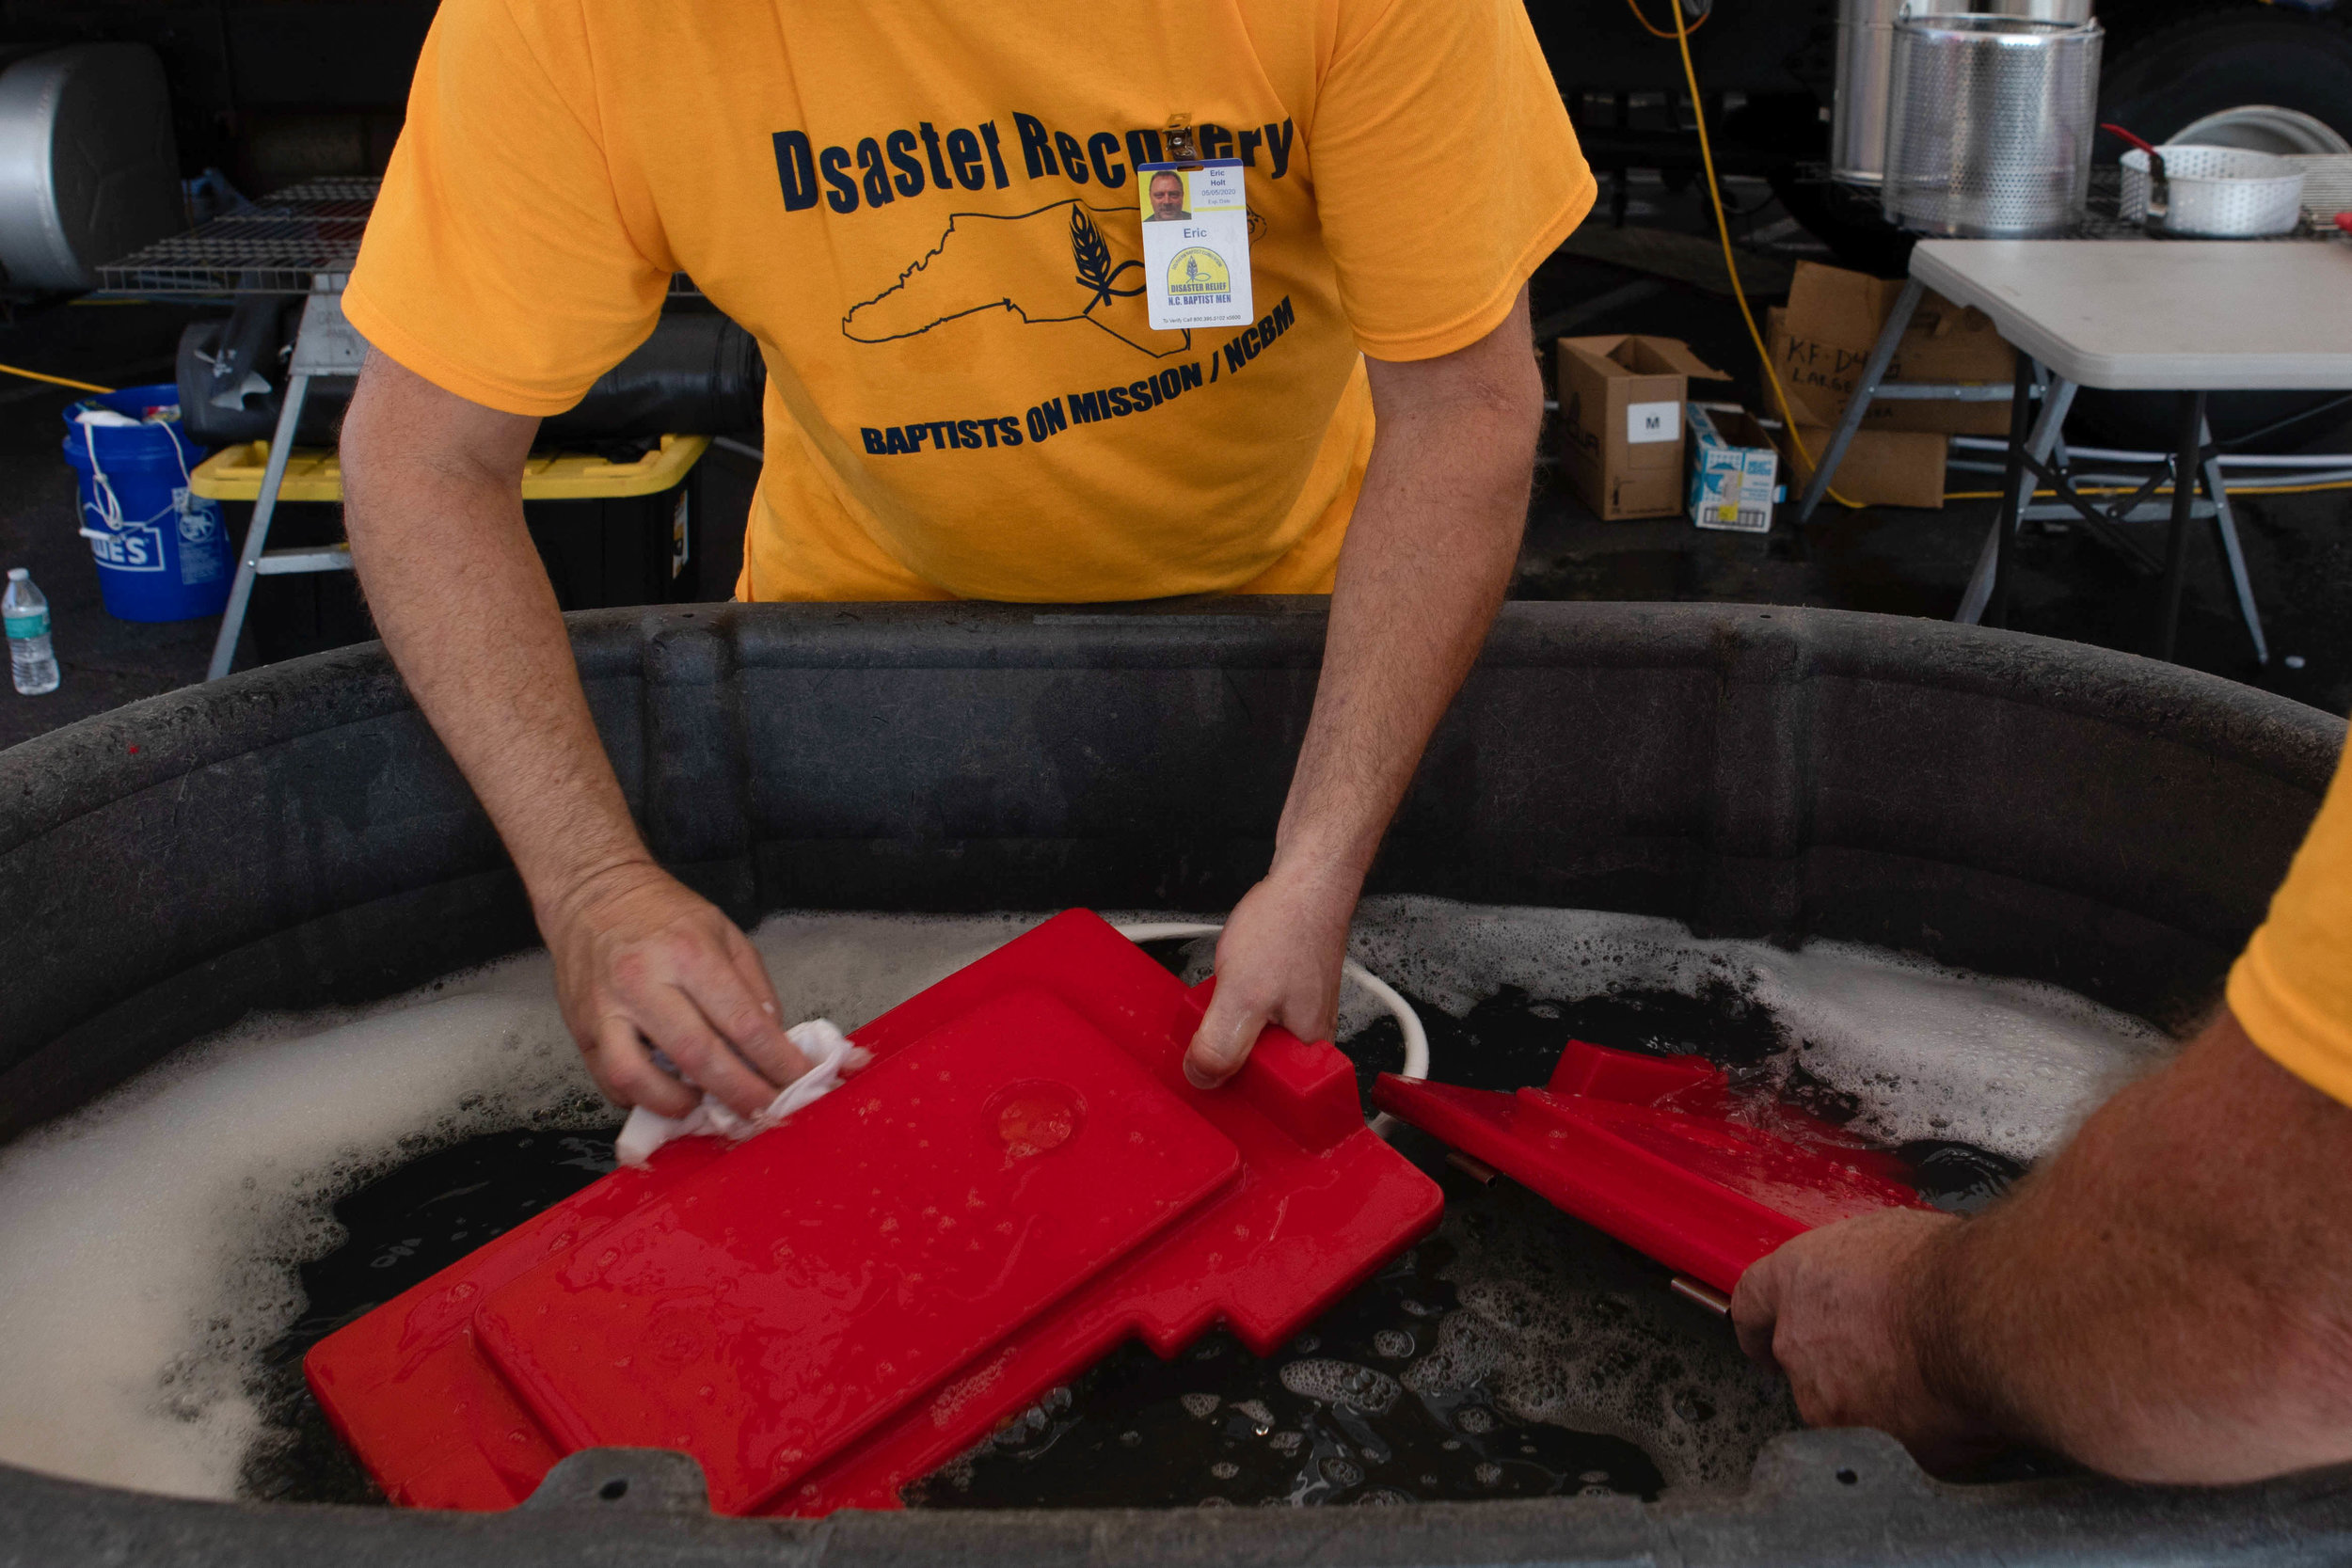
{"x": 935, "y": 289}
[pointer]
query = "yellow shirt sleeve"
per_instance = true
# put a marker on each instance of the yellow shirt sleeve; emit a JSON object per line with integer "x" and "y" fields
{"x": 2292, "y": 987}
{"x": 497, "y": 264}
{"x": 1445, "y": 169}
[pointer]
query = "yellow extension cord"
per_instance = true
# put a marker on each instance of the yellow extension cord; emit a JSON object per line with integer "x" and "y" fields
{"x": 1723, "y": 233}
{"x": 55, "y": 380}
{"x": 1635, "y": 7}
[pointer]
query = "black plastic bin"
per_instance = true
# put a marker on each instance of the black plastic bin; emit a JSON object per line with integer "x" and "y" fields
{"x": 633, "y": 546}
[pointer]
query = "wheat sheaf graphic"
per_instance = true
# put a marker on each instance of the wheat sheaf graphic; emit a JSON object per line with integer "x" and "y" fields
{"x": 1091, "y": 254}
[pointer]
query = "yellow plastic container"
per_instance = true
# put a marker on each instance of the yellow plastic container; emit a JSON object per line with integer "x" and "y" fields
{"x": 314, "y": 474}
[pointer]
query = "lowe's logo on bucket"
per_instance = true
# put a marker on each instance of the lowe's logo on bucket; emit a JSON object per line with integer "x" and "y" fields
{"x": 129, "y": 547}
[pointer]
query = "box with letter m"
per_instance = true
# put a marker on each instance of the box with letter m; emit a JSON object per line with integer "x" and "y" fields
{"x": 1621, "y": 402}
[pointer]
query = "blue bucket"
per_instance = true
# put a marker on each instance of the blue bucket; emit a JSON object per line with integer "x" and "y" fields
{"x": 162, "y": 552}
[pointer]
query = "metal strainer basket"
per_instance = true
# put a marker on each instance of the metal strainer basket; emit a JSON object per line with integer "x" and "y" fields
{"x": 2217, "y": 192}
{"x": 1989, "y": 125}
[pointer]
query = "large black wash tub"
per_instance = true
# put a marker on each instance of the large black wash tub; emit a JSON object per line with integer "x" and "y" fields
{"x": 295, "y": 836}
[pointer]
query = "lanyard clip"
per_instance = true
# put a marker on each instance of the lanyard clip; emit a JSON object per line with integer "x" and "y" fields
{"x": 1183, "y": 146}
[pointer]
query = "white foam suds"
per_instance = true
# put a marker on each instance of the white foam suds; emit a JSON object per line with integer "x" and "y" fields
{"x": 1550, "y": 1337}
{"x": 1339, "y": 1382}
{"x": 1930, "y": 1051}
{"x": 148, "y": 1243}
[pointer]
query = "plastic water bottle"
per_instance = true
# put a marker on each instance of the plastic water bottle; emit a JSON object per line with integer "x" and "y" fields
{"x": 26, "y": 613}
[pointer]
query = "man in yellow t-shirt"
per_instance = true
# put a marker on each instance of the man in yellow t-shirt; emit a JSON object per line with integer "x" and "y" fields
{"x": 925, "y": 213}
{"x": 2169, "y": 1298}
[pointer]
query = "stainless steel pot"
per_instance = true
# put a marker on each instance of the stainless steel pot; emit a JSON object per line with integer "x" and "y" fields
{"x": 1865, "y": 54}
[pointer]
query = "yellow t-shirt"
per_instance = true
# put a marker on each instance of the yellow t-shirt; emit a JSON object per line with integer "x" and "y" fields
{"x": 2292, "y": 987}
{"x": 925, "y": 212}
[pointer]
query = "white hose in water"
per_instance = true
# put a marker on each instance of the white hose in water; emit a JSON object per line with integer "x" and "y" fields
{"x": 1416, "y": 1037}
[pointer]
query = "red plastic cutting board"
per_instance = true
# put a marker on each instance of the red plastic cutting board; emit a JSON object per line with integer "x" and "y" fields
{"x": 1658, "y": 1153}
{"x": 835, "y": 1308}
{"x": 767, "y": 1310}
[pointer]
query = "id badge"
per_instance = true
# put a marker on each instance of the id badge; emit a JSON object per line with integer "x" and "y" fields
{"x": 1196, "y": 245}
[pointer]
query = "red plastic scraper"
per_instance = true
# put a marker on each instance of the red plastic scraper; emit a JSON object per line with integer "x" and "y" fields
{"x": 1022, "y": 1180}
{"x": 1658, "y": 1153}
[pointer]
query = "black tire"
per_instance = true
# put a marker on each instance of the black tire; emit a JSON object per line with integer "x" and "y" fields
{"x": 2166, "y": 69}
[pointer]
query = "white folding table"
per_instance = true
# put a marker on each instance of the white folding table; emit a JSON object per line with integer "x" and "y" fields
{"x": 2185, "y": 316}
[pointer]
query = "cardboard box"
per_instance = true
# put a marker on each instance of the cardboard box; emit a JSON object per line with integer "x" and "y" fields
{"x": 1882, "y": 468}
{"x": 1734, "y": 469}
{"x": 1621, "y": 402}
{"x": 1820, "y": 339}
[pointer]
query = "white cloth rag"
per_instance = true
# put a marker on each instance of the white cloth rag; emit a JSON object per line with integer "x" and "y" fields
{"x": 830, "y": 1059}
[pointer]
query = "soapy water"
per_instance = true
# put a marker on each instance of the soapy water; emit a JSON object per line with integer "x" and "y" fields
{"x": 169, "y": 1252}
{"x": 1329, "y": 1419}
{"x": 1514, "y": 1354}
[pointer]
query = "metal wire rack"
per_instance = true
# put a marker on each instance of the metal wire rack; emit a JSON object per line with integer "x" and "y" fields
{"x": 278, "y": 246}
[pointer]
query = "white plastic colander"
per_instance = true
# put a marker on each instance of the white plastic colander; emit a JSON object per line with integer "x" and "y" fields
{"x": 2223, "y": 193}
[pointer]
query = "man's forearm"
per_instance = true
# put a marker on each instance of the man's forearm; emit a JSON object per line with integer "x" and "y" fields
{"x": 1428, "y": 557}
{"x": 464, "y": 605}
{"x": 2165, "y": 1301}
{"x": 432, "y": 506}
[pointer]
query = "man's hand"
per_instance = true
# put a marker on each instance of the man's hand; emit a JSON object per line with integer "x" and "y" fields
{"x": 1278, "y": 961}
{"x": 641, "y": 962}
{"x": 1429, "y": 553}
{"x": 2168, "y": 1298}
{"x": 433, "y": 510}
{"x": 1836, "y": 1310}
